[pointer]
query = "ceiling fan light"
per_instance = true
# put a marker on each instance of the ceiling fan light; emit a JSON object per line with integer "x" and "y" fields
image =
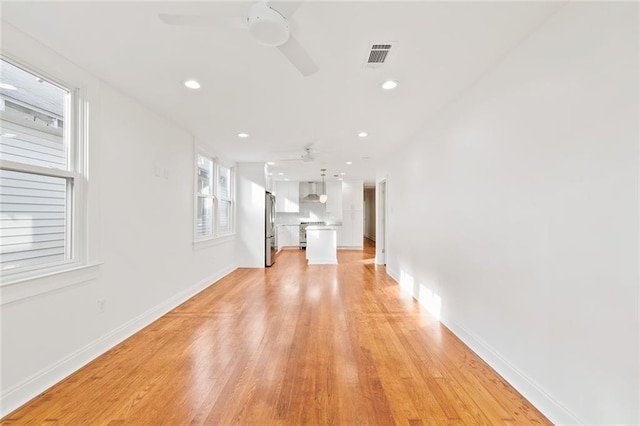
{"x": 323, "y": 198}
{"x": 267, "y": 26}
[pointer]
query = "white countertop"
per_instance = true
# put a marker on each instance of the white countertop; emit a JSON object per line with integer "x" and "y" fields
{"x": 322, "y": 227}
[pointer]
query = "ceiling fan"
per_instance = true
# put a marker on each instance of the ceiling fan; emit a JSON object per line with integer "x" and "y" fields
{"x": 308, "y": 156}
{"x": 268, "y": 23}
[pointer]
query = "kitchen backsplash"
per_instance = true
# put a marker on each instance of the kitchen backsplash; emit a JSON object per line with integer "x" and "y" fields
{"x": 316, "y": 212}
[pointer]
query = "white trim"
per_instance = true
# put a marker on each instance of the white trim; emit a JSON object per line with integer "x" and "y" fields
{"x": 34, "y": 285}
{"x": 37, "y": 170}
{"x": 382, "y": 213}
{"x": 213, "y": 241}
{"x": 24, "y": 391}
{"x": 393, "y": 274}
{"x": 75, "y": 139}
{"x": 534, "y": 393}
{"x": 198, "y": 152}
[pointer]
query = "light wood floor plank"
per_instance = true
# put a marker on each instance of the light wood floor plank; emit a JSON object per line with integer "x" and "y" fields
{"x": 292, "y": 344}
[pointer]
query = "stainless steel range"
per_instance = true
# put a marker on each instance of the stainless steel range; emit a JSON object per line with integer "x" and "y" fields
{"x": 303, "y": 232}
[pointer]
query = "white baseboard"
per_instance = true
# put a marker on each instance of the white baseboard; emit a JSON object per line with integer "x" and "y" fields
{"x": 43, "y": 380}
{"x": 393, "y": 274}
{"x": 535, "y": 394}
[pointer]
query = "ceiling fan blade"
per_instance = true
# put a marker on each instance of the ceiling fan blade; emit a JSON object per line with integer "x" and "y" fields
{"x": 285, "y": 8}
{"x": 188, "y": 20}
{"x": 299, "y": 57}
{"x": 201, "y": 21}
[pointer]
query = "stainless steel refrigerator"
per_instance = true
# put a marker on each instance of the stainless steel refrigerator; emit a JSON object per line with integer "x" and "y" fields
{"x": 270, "y": 229}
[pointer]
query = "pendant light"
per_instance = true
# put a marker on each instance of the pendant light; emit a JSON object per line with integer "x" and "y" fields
{"x": 323, "y": 196}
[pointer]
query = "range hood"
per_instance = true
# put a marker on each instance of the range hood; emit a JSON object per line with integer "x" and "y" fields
{"x": 313, "y": 193}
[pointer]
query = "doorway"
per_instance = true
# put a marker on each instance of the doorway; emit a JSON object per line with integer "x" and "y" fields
{"x": 369, "y": 208}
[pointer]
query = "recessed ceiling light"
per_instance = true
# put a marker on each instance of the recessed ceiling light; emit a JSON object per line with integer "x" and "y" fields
{"x": 281, "y": 174}
{"x": 192, "y": 84}
{"x": 243, "y": 135}
{"x": 8, "y": 135}
{"x": 363, "y": 134}
{"x": 271, "y": 163}
{"x": 348, "y": 163}
{"x": 389, "y": 84}
{"x": 343, "y": 173}
{"x": 286, "y": 179}
{"x": 8, "y": 86}
{"x": 340, "y": 179}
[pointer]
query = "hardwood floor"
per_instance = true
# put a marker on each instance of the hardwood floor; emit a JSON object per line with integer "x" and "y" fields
{"x": 292, "y": 344}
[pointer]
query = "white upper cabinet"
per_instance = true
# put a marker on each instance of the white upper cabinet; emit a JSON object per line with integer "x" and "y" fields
{"x": 287, "y": 197}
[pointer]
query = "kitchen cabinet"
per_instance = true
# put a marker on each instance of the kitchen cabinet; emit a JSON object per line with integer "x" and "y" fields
{"x": 287, "y": 197}
{"x": 334, "y": 198}
{"x": 351, "y": 235}
{"x": 288, "y": 236}
{"x": 352, "y": 195}
{"x": 280, "y": 237}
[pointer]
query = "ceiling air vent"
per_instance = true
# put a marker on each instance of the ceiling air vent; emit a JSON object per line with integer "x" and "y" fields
{"x": 378, "y": 54}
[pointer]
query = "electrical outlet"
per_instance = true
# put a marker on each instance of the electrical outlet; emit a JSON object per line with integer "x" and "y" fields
{"x": 102, "y": 306}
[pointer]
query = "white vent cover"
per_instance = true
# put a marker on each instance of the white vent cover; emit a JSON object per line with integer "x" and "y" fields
{"x": 378, "y": 54}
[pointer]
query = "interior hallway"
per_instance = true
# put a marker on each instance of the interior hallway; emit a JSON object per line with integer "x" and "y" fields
{"x": 291, "y": 344}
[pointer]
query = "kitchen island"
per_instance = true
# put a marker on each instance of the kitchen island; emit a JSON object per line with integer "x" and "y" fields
{"x": 321, "y": 245}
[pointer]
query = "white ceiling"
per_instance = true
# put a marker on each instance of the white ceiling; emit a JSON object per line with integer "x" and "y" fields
{"x": 440, "y": 48}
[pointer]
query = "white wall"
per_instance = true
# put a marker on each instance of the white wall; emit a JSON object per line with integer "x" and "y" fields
{"x": 250, "y": 193}
{"x": 140, "y": 230}
{"x": 514, "y": 215}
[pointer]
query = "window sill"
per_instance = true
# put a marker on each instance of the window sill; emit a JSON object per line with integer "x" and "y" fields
{"x": 212, "y": 242}
{"x": 49, "y": 281}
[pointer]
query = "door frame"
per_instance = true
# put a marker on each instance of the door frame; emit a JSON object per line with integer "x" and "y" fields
{"x": 382, "y": 193}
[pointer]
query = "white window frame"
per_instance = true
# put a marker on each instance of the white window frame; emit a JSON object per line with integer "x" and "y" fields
{"x": 215, "y": 234}
{"x": 196, "y": 195}
{"x": 76, "y": 137}
{"x": 231, "y": 198}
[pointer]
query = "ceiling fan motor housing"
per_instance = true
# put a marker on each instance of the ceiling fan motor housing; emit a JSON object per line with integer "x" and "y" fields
{"x": 267, "y": 26}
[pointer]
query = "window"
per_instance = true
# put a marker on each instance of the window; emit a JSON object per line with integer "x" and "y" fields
{"x": 39, "y": 178}
{"x": 214, "y": 198}
{"x": 206, "y": 200}
{"x": 225, "y": 205}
